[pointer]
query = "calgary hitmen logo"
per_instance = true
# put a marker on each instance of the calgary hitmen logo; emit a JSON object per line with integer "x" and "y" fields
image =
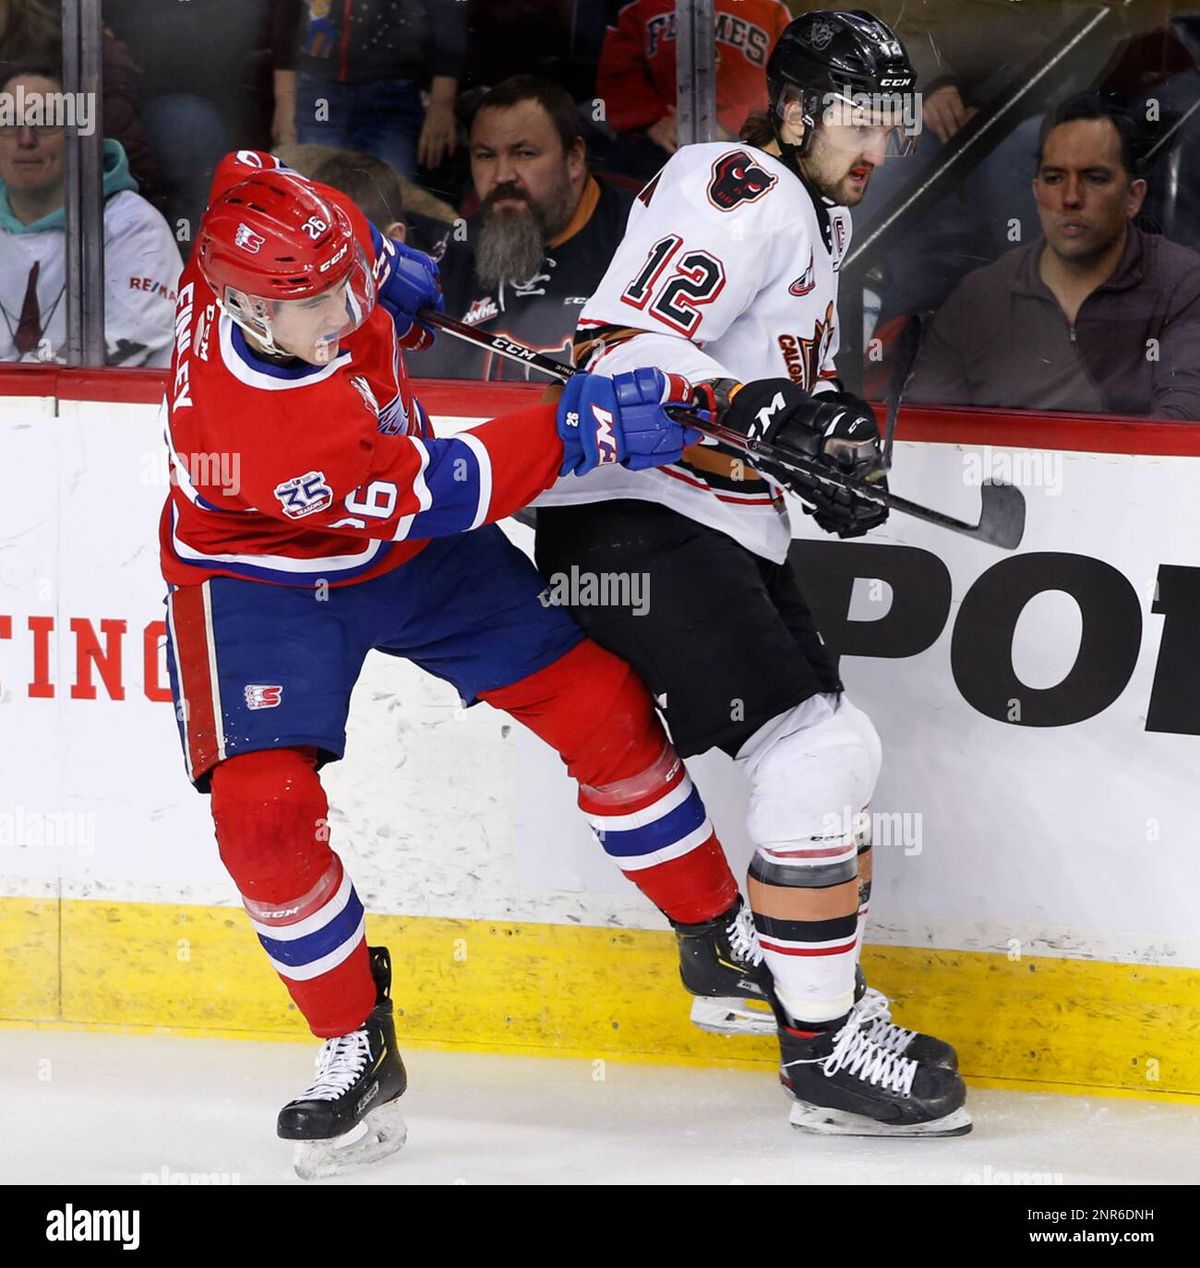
{"x": 737, "y": 179}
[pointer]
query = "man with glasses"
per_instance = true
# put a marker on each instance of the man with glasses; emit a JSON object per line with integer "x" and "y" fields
{"x": 141, "y": 258}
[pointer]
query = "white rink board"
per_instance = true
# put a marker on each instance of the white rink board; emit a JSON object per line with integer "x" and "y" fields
{"x": 1080, "y": 840}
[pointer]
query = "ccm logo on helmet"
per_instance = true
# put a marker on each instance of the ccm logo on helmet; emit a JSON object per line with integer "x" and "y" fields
{"x": 333, "y": 259}
{"x": 248, "y": 240}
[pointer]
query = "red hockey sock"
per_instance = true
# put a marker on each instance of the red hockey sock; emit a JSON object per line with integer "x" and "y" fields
{"x": 591, "y": 707}
{"x": 271, "y": 821}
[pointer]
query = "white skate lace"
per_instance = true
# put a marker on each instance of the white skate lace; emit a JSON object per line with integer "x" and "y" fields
{"x": 875, "y": 1017}
{"x": 854, "y": 1052}
{"x": 743, "y": 937}
{"x": 339, "y": 1063}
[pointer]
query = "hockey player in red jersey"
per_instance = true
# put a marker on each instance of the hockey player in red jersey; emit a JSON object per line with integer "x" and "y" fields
{"x": 336, "y": 522}
{"x": 728, "y": 274}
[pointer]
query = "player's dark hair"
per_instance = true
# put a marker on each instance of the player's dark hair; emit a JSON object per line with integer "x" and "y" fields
{"x": 552, "y": 97}
{"x": 374, "y": 184}
{"x": 1090, "y": 105}
{"x": 757, "y": 129}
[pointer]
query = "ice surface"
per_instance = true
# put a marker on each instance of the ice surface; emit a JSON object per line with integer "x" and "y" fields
{"x": 85, "y": 1108}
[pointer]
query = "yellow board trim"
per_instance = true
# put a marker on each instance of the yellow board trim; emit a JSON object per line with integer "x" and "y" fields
{"x": 1039, "y": 1024}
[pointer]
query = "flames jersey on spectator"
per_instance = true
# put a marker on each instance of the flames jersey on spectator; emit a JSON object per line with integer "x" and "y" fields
{"x": 636, "y": 75}
{"x": 728, "y": 269}
{"x": 297, "y": 474}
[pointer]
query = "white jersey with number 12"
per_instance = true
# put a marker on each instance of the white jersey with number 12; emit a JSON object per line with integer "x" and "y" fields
{"x": 728, "y": 269}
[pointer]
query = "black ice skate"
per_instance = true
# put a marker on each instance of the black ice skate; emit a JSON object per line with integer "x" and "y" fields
{"x": 721, "y": 964}
{"x": 875, "y": 1017}
{"x": 350, "y": 1115}
{"x": 845, "y": 1085}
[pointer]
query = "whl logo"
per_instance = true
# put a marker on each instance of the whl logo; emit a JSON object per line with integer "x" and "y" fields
{"x": 481, "y": 310}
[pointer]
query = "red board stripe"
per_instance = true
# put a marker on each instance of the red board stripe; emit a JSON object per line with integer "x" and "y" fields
{"x": 140, "y": 387}
{"x": 1079, "y": 433}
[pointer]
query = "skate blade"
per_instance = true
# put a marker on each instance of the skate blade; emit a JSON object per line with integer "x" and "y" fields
{"x": 380, "y": 1134}
{"x": 823, "y": 1121}
{"x": 732, "y": 1016}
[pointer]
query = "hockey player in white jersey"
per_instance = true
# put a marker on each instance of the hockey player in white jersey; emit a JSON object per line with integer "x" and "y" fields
{"x": 728, "y": 275}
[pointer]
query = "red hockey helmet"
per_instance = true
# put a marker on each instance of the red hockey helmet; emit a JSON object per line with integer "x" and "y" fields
{"x": 285, "y": 264}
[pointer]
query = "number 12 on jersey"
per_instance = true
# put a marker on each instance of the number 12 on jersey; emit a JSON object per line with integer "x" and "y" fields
{"x": 695, "y": 280}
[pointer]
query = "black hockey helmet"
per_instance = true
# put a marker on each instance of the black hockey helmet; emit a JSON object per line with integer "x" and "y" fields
{"x": 841, "y": 53}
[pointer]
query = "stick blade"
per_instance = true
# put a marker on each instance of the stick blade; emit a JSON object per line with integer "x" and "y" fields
{"x": 1002, "y": 517}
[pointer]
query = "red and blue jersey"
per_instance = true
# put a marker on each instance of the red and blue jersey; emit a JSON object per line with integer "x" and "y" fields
{"x": 301, "y": 474}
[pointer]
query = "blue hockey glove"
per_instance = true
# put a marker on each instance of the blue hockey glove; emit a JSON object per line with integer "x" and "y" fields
{"x": 406, "y": 280}
{"x": 622, "y": 419}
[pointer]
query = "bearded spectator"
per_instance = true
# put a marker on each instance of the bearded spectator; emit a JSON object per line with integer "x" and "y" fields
{"x": 526, "y": 263}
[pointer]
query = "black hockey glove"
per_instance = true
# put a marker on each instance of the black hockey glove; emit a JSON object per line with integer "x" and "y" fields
{"x": 834, "y": 427}
{"x": 838, "y": 510}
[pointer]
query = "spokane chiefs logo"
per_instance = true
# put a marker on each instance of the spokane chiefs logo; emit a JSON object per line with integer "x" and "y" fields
{"x": 248, "y": 240}
{"x": 304, "y": 495}
{"x": 263, "y": 697}
{"x": 736, "y": 178}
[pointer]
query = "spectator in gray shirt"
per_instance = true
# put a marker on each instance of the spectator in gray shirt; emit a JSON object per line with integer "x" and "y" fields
{"x": 1096, "y": 316}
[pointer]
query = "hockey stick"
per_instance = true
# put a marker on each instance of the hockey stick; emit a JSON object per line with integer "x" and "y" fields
{"x": 1002, "y": 513}
{"x": 905, "y": 355}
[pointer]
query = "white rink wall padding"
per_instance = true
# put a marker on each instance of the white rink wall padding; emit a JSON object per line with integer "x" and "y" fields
{"x": 1036, "y": 824}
